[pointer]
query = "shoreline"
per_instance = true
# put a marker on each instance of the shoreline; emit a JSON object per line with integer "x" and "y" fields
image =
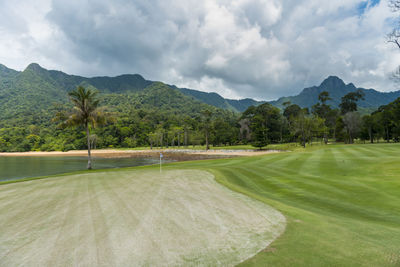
{"x": 114, "y": 153}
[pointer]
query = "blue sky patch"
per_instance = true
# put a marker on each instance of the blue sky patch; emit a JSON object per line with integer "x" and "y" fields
{"x": 365, "y": 5}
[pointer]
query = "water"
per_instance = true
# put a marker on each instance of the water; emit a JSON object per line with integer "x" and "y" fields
{"x": 13, "y": 168}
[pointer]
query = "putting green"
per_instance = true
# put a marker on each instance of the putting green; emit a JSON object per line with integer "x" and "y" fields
{"x": 132, "y": 217}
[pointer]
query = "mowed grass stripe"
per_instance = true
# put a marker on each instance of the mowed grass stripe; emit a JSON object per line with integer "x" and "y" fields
{"x": 296, "y": 161}
{"x": 306, "y": 192}
{"x": 331, "y": 184}
{"x": 368, "y": 152}
{"x": 307, "y": 183}
{"x": 292, "y": 193}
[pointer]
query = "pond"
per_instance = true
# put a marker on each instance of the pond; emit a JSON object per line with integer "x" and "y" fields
{"x": 13, "y": 168}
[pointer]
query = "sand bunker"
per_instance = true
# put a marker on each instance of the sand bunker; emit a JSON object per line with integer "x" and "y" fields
{"x": 126, "y": 218}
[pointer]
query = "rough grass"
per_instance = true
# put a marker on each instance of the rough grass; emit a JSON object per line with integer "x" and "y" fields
{"x": 132, "y": 217}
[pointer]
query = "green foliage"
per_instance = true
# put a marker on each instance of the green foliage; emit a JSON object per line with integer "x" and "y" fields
{"x": 30, "y": 99}
{"x": 149, "y": 113}
{"x": 349, "y": 101}
{"x": 265, "y": 124}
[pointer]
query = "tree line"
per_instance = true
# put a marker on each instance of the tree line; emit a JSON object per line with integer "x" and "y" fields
{"x": 258, "y": 125}
{"x": 265, "y": 124}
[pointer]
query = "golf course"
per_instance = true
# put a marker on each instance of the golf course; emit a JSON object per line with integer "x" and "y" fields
{"x": 326, "y": 205}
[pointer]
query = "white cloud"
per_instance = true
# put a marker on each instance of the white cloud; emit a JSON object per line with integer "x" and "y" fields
{"x": 239, "y": 48}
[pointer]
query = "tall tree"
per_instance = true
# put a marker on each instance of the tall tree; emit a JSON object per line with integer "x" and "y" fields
{"x": 368, "y": 128}
{"x": 352, "y": 122}
{"x": 349, "y": 101}
{"x": 265, "y": 124}
{"x": 322, "y": 110}
{"x": 291, "y": 111}
{"x": 86, "y": 113}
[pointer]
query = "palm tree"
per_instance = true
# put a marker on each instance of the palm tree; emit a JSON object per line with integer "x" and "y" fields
{"x": 86, "y": 113}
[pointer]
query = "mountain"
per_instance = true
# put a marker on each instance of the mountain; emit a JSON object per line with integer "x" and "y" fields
{"x": 34, "y": 95}
{"x": 336, "y": 89}
{"x": 37, "y": 89}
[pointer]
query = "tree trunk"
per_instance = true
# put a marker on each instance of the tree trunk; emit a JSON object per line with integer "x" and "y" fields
{"x": 371, "y": 137}
{"x": 186, "y": 144}
{"x": 207, "y": 147}
{"x": 334, "y": 134}
{"x": 387, "y": 134}
{"x": 89, "y": 165}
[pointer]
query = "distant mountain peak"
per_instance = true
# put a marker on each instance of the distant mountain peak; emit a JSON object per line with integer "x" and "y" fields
{"x": 332, "y": 81}
{"x": 337, "y": 89}
{"x": 34, "y": 67}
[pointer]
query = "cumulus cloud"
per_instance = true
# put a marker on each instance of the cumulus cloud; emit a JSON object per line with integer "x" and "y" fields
{"x": 239, "y": 48}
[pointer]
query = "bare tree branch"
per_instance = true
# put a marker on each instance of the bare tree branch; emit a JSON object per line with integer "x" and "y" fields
{"x": 394, "y": 5}
{"x": 394, "y": 36}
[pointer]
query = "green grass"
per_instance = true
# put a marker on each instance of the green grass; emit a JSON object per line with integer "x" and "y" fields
{"x": 342, "y": 202}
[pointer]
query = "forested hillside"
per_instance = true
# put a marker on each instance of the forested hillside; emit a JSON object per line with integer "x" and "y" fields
{"x": 147, "y": 113}
{"x": 143, "y": 112}
{"x": 32, "y": 96}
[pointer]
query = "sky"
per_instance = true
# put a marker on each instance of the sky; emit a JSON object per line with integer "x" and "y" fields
{"x": 262, "y": 49}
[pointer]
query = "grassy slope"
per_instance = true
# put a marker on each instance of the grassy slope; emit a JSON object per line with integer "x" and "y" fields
{"x": 342, "y": 203}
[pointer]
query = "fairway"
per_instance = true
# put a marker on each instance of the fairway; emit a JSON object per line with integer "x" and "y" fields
{"x": 132, "y": 217}
{"x": 342, "y": 203}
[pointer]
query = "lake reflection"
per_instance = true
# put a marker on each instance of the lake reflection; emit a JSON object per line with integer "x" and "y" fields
{"x": 12, "y": 168}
